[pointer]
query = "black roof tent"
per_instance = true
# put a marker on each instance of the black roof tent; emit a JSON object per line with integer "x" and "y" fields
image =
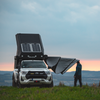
{"x": 30, "y": 47}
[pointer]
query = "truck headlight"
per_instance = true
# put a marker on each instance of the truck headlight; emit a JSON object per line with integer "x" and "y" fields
{"x": 24, "y": 72}
{"x": 47, "y": 72}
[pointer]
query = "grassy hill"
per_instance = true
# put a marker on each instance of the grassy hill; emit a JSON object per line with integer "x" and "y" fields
{"x": 54, "y": 93}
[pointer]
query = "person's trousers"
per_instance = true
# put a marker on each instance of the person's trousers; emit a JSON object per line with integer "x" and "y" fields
{"x": 78, "y": 77}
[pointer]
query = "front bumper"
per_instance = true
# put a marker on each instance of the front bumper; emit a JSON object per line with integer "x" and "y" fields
{"x": 35, "y": 81}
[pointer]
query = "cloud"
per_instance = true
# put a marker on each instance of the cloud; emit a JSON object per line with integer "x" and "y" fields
{"x": 30, "y": 6}
{"x": 69, "y": 11}
{"x": 67, "y": 27}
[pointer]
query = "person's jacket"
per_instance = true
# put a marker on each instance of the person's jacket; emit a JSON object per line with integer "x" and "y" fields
{"x": 78, "y": 69}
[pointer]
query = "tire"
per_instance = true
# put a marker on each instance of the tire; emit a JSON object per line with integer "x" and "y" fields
{"x": 51, "y": 85}
{"x": 19, "y": 85}
{"x": 13, "y": 81}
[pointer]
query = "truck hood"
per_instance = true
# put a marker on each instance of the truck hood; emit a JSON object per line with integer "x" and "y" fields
{"x": 34, "y": 69}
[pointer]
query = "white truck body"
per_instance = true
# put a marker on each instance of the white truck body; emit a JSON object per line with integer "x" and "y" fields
{"x": 32, "y": 74}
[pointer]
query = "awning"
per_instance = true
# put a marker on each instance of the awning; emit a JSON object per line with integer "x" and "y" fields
{"x": 60, "y": 65}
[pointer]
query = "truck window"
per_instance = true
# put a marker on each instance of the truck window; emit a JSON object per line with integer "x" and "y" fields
{"x": 33, "y": 65}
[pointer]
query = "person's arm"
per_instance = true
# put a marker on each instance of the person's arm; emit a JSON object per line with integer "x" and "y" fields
{"x": 75, "y": 74}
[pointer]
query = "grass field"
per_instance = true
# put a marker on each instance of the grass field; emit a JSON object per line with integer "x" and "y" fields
{"x": 54, "y": 93}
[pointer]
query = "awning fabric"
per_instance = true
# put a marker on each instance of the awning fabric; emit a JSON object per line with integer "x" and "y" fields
{"x": 60, "y": 65}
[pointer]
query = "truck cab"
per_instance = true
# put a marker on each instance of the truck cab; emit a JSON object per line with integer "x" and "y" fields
{"x": 29, "y": 63}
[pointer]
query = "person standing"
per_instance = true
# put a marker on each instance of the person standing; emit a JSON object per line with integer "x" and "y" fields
{"x": 77, "y": 75}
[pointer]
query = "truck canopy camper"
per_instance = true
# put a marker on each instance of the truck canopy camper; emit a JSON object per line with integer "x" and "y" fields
{"x": 32, "y": 66}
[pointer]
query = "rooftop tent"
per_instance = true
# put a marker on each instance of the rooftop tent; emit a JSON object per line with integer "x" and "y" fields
{"x": 29, "y": 45}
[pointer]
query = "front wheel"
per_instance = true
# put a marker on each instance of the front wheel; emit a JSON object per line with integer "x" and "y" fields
{"x": 51, "y": 85}
{"x": 19, "y": 84}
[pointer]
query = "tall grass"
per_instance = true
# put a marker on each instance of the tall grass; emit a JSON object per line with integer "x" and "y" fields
{"x": 55, "y": 93}
{"x": 61, "y": 84}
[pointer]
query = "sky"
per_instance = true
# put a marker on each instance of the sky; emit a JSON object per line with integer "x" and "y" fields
{"x": 68, "y": 28}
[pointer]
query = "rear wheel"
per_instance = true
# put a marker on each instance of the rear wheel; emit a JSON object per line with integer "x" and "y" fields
{"x": 13, "y": 81}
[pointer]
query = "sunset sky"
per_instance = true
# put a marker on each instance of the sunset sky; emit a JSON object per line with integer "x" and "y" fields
{"x": 68, "y": 28}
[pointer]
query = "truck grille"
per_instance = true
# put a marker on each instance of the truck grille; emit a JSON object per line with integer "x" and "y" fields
{"x": 36, "y": 74}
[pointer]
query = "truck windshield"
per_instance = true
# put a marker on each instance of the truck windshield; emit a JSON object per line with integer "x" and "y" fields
{"x": 33, "y": 64}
